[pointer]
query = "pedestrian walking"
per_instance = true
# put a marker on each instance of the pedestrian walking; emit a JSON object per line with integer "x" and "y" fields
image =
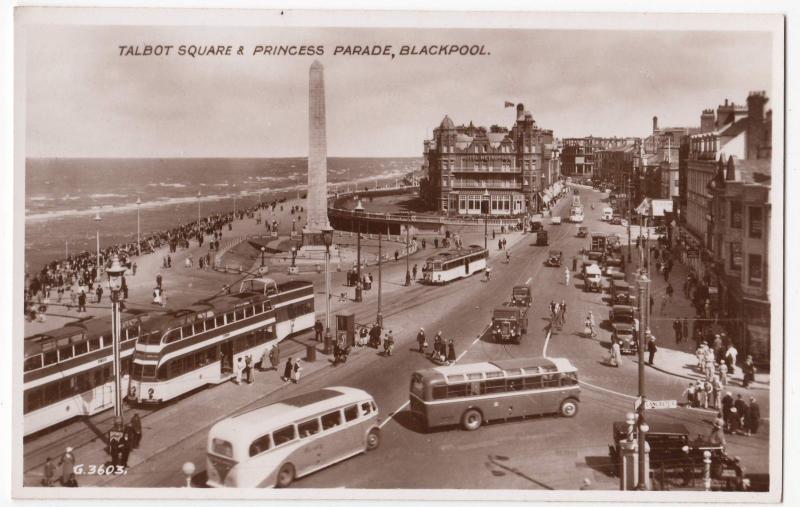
{"x": 748, "y": 372}
{"x": 664, "y": 301}
{"x": 49, "y": 476}
{"x": 248, "y": 368}
{"x": 134, "y": 267}
{"x": 753, "y": 417}
{"x": 685, "y": 325}
{"x": 700, "y": 392}
{"x": 563, "y": 309}
{"x": 717, "y": 436}
{"x": 287, "y": 370}
{"x": 99, "y": 292}
{"x": 678, "y": 329}
{"x": 616, "y": 354}
{"x": 723, "y": 373}
{"x": 730, "y": 358}
{"x": 421, "y": 340}
{"x": 238, "y": 370}
{"x": 566, "y": 277}
{"x": 414, "y": 272}
{"x": 451, "y": 351}
{"x": 124, "y": 449}
{"x": 651, "y": 349}
{"x": 691, "y": 395}
{"x": 136, "y": 429}
{"x": 82, "y": 301}
{"x": 67, "y": 463}
{"x": 296, "y": 369}
{"x": 318, "y": 330}
{"x": 275, "y": 357}
{"x": 741, "y": 412}
{"x": 159, "y": 279}
{"x": 727, "y": 405}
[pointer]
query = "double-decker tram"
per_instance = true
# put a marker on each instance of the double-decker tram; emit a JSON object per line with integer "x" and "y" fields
{"x": 68, "y": 372}
{"x": 454, "y": 264}
{"x": 200, "y": 344}
{"x": 471, "y": 394}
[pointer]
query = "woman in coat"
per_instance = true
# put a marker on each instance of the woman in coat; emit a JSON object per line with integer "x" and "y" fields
{"x": 296, "y": 368}
{"x": 451, "y": 351}
{"x": 287, "y": 370}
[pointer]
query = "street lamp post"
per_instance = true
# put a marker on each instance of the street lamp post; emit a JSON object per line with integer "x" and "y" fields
{"x": 408, "y": 226}
{"x": 198, "y": 207}
{"x": 294, "y": 255}
{"x": 115, "y": 272}
{"x": 485, "y": 218}
{"x": 262, "y": 256}
{"x": 97, "y": 220}
{"x": 359, "y": 211}
{"x": 644, "y": 333}
{"x": 379, "y": 317}
{"x": 138, "y": 226}
{"x": 327, "y": 238}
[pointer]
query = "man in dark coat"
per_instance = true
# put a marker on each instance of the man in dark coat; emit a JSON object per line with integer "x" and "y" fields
{"x": 318, "y": 330}
{"x": 136, "y": 426}
{"x": 753, "y": 417}
{"x": 741, "y": 412}
{"x": 727, "y": 404}
{"x": 287, "y": 370}
{"x": 651, "y": 349}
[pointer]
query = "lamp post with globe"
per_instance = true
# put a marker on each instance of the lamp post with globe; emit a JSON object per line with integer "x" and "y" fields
{"x": 115, "y": 272}
{"x": 327, "y": 238}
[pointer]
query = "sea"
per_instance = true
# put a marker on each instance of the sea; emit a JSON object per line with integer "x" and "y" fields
{"x": 64, "y": 197}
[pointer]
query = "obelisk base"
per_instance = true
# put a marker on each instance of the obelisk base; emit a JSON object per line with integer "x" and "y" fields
{"x": 313, "y": 246}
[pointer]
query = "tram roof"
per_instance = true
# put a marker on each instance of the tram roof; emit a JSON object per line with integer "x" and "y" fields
{"x": 260, "y": 420}
{"x": 455, "y": 253}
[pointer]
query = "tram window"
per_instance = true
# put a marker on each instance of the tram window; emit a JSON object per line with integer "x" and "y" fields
{"x": 33, "y": 362}
{"x": 163, "y": 373}
{"x": 239, "y": 314}
{"x": 211, "y": 355}
{"x": 33, "y": 399}
{"x": 308, "y": 428}
{"x": 259, "y": 445}
{"x": 534, "y": 382}
{"x": 137, "y": 370}
{"x": 331, "y": 420}
{"x": 176, "y": 368}
{"x": 51, "y": 393}
{"x": 186, "y": 331}
{"x": 98, "y": 377}
{"x": 283, "y": 435}
{"x": 198, "y": 327}
{"x": 149, "y": 370}
{"x": 65, "y": 353}
{"x": 495, "y": 386}
{"x": 188, "y": 363}
{"x": 210, "y": 324}
{"x": 173, "y": 336}
{"x": 229, "y": 317}
{"x": 83, "y": 381}
{"x": 249, "y": 311}
{"x": 251, "y": 339}
{"x": 133, "y": 332}
{"x": 290, "y": 310}
{"x": 126, "y": 365}
{"x": 219, "y": 321}
{"x": 81, "y": 348}
{"x": 351, "y": 413}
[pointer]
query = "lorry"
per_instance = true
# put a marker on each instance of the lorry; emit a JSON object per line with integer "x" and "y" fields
{"x": 623, "y": 325}
{"x": 509, "y": 323}
{"x": 591, "y": 278}
{"x": 608, "y": 213}
{"x": 598, "y": 243}
{"x": 541, "y": 238}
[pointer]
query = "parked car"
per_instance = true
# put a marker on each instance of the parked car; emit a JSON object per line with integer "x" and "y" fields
{"x": 556, "y": 220}
{"x": 623, "y": 333}
{"x": 591, "y": 278}
{"x": 614, "y": 273}
{"x": 583, "y": 231}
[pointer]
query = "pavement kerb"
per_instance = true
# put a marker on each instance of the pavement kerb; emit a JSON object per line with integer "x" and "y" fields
{"x": 687, "y": 377}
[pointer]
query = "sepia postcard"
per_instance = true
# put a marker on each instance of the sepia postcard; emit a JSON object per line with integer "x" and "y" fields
{"x": 445, "y": 255}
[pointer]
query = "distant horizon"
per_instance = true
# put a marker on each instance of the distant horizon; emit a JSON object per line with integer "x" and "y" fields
{"x": 214, "y": 157}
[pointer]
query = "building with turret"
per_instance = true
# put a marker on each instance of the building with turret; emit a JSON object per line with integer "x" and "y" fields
{"x": 497, "y": 170}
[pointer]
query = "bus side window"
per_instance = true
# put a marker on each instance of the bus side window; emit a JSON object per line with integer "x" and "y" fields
{"x": 495, "y": 386}
{"x": 457, "y": 390}
{"x": 475, "y": 388}
{"x": 366, "y": 408}
{"x": 331, "y": 420}
{"x": 283, "y": 435}
{"x": 514, "y": 384}
{"x": 551, "y": 380}
{"x": 440, "y": 392}
{"x": 259, "y": 445}
{"x": 569, "y": 379}
{"x": 533, "y": 382}
{"x": 308, "y": 428}
{"x": 351, "y": 413}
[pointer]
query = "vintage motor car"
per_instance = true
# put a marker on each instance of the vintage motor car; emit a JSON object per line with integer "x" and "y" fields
{"x": 556, "y": 220}
{"x": 521, "y": 296}
{"x": 583, "y": 231}
{"x": 620, "y": 292}
{"x": 614, "y": 273}
{"x": 541, "y": 238}
{"x": 623, "y": 314}
{"x": 555, "y": 258}
{"x": 509, "y": 323}
{"x": 623, "y": 334}
{"x": 671, "y": 448}
{"x": 536, "y": 226}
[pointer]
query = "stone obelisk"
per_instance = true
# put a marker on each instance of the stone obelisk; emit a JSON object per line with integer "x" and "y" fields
{"x": 317, "y": 201}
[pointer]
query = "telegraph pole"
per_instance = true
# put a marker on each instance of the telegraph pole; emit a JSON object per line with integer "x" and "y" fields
{"x": 644, "y": 334}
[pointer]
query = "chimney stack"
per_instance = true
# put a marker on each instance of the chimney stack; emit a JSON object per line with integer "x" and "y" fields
{"x": 655, "y": 124}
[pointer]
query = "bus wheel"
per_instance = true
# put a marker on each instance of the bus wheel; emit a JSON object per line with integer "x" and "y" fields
{"x": 373, "y": 439}
{"x": 568, "y": 408}
{"x": 471, "y": 420}
{"x": 285, "y": 475}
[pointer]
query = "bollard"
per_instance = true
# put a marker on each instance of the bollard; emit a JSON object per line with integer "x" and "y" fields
{"x": 188, "y": 471}
{"x": 311, "y": 353}
{"x": 707, "y": 470}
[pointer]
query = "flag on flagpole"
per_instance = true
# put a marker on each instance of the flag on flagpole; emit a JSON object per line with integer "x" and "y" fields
{"x": 509, "y": 104}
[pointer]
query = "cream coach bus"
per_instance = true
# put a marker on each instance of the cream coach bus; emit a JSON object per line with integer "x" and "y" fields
{"x": 275, "y": 444}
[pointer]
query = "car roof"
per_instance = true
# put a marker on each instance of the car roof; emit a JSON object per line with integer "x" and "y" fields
{"x": 656, "y": 427}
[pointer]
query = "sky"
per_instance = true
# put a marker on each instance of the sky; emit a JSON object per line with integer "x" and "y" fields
{"x": 85, "y": 100}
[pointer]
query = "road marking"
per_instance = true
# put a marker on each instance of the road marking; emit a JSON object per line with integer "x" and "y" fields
{"x": 529, "y": 281}
{"x": 607, "y": 390}
{"x": 546, "y": 342}
{"x": 389, "y": 418}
